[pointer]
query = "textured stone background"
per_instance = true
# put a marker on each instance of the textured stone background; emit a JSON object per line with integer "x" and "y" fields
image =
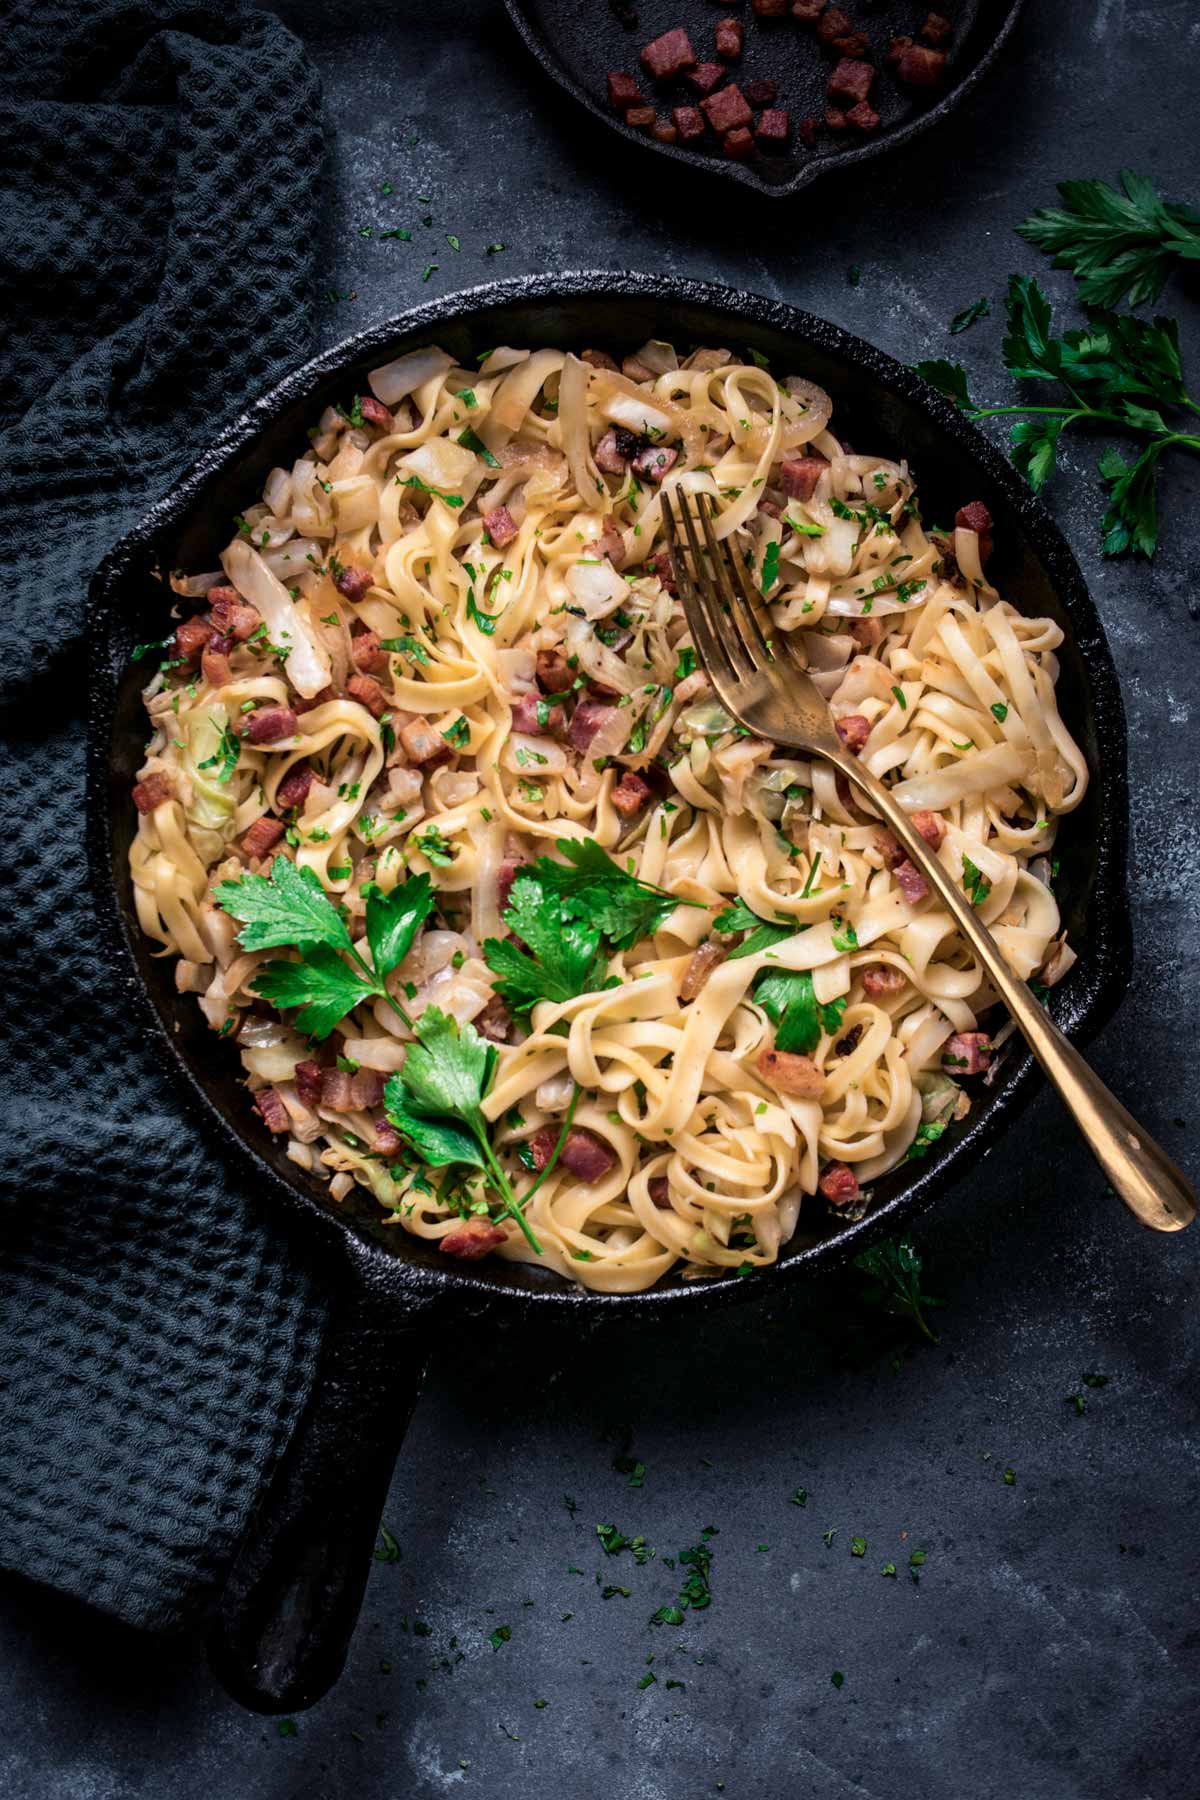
{"x": 1052, "y": 1647}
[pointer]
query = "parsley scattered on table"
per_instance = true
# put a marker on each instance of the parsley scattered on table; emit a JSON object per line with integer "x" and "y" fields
{"x": 290, "y": 907}
{"x": 837, "y": 1678}
{"x": 1010, "y": 1478}
{"x": 970, "y": 315}
{"x": 800, "y": 1497}
{"x": 858, "y": 1546}
{"x": 1118, "y": 246}
{"x": 501, "y": 1635}
{"x": 893, "y": 1271}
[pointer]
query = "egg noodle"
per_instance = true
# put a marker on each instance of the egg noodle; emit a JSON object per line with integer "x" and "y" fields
{"x": 695, "y": 1137}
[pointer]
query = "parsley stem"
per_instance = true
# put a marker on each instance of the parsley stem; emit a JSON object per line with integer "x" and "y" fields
{"x": 381, "y": 988}
{"x": 530, "y": 1191}
{"x": 512, "y": 1206}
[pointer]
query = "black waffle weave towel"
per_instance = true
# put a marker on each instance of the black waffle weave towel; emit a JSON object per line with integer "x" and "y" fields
{"x": 161, "y": 162}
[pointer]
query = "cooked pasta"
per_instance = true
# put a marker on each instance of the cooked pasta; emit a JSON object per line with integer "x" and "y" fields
{"x": 446, "y": 644}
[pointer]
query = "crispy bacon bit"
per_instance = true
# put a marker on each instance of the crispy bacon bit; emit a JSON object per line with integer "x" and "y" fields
{"x": 368, "y": 653}
{"x": 152, "y": 791}
{"x": 930, "y": 827}
{"x": 660, "y": 565}
{"x": 664, "y": 132}
{"x": 760, "y": 93}
{"x": 729, "y": 39}
{"x": 608, "y": 455}
{"x": 262, "y": 836}
{"x": 770, "y": 9}
{"x": 654, "y": 462}
{"x": 550, "y": 720}
{"x": 834, "y": 24}
{"x": 231, "y": 615}
{"x": 293, "y": 789}
{"x": 336, "y": 1091}
{"x": 868, "y": 632}
{"x": 269, "y": 725}
{"x": 630, "y": 794}
{"x": 307, "y": 1076}
{"x": 386, "y": 1139}
{"x": 703, "y": 961}
{"x": 705, "y": 76}
{"x": 774, "y": 127}
{"x": 839, "y": 1184}
{"x": 214, "y": 661}
{"x": 623, "y": 91}
{"x": 854, "y": 730}
{"x": 271, "y": 1110}
{"x": 883, "y": 980}
{"x": 855, "y": 43}
{"x": 968, "y": 1052}
{"x": 896, "y": 49}
{"x": 369, "y": 693}
{"x": 500, "y": 526}
{"x": 888, "y": 848}
{"x": 495, "y": 1021}
{"x": 801, "y": 474}
{"x": 640, "y": 118}
{"x": 936, "y": 29}
{"x": 920, "y": 68}
{"x": 610, "y": 543}
{"x": 553, "y": 672}
{"x": 584, "y": 1154}
{"x": 353, "y": 583}
{"x": 599, "y": 359}
{"x": 659, "y": 1189}
{"x": 791, "y": 1074}
{"x": 808, "y": 11}
{"x": 911, "y": 882}
{"x": 191, "y": 635}
{"x": 863, "y": 117}
{"x": 726, "y": 110}
{"x": 422, "y": 744}
{"x": 976, "y": 517}
{"x": 808, "y": 129}
{"x": 689, "y": 122}
{"x": 850, "y": 80}
{"x": 320, "y": 699}
{"x": 366, "y": 1089}
{"x": 374, "y": 412}
{"x": 835, "y": 118}
{"x": 472, "y": 1239}
{"x": 666, "y": 55}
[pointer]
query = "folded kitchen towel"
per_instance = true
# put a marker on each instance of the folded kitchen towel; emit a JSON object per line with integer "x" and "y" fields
{"x": 160, "y": 163}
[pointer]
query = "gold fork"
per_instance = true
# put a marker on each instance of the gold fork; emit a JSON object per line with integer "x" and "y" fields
{"x": 761, "y": 684}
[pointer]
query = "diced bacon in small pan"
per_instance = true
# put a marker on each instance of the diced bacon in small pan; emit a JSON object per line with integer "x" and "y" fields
{"x": 854, "y": 730}
{"x": 896, "y": 49}
{"x": 911, "y": 882}
{"x": 853, "y": 43}
{"x": 623, "y": 90}
{"x": 726, "y": 110}
{"x": 554, "y": 674}
{"x": 262, "y": 836}
{"x": 664, "y": 132}
{"x": 537, "y": 718}
{"x": 152, "y": 791}
{"x": 689, "y": 122}
{"x": 850, "y": 80}
{"x": 666, "y": 55}
{"x": 936, "y": 29}
{"x": 293, "y": 789}
{"x": 774, "y": 127}
{"x": 374, "y": 412}
{"x": 832, "y": 24}
{"x": 231, "y": 615}
{"x": 588, "y": 717}
{"x": 640, "y": 118}
{"x": 920, "y": 68}
{"x": 353, "y": 583}
{"x": 630, "y": 794}
{"x": 423, "y": 744}
{"x": 883, "y": 980}
{"x": 706, "y": 76}
{"x": 191, "y": 635}
{"x": 930, "y": 827}
{"x": 653, "y": 462}
{"x": 839, "y": 1184}
{"x": 863, "y": 117}
{"x": 791, "y": 1074}
{"x": 770, "y": 9}
{"x": 500, "y": 526}
{"x": 729, "y": 39}
{"x": 808, "y": 11}
{"x": 808, "y": 129}
{"x": 472, "y": 1239}
{"x": 369, "y": 655}
{"x": 583, "y": 1154}
{"x": 495, "y": 1021}
{"x": 835, "y": 118}
{"x": 369, "y": 693}
{"x": 271, "y": 1110}
{"x": 703, "y": 961}
{"x": 269, "y": 725}
{"x": 760, "y": 93}
{"x": 968, "y": 1052}
{"x": 307, "y": 1076}
{"x": 800, "y": 475}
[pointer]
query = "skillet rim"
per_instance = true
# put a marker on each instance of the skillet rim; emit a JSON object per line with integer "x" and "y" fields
{"x": 1094, "y": 992}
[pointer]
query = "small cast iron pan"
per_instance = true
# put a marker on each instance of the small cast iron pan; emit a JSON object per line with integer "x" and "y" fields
{"x": 577, "y": 42}
{"x": 283, "y": 1624}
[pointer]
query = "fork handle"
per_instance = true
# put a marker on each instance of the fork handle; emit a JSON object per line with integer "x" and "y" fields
{"x": 1155, "y": 1190}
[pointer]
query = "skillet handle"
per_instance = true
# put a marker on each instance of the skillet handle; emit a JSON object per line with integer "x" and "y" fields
{"x": 284, "y": 1621}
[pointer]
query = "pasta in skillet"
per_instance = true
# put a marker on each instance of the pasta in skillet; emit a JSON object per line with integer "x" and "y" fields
{"x": 511, "y": 924}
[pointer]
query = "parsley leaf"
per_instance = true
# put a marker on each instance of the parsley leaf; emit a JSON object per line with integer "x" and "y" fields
{"x": 970, "y": 315}
{"x": 563, "y": 955}
{"x": 470, "y": 441}
{"x": 394, "y": 919}
{"x": 787, "y": 998}
{"x": 594, "y": 887}
{"x": 948, "y": 378}
{"x": 287, "y": 907}
{"x": 893, "y": 1270}
{"x": 975, "y": 883}
{"x": 323, "y": 987}
{"x": 770, "y": 567}
{"x": 1116, "y": 245}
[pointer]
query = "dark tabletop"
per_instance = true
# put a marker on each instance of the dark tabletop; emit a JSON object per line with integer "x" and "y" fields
{"x": 1050, "y": 1648}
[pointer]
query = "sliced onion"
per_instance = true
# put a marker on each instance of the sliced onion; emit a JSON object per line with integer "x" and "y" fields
{"x": 554, "y": 1095}
{"x": 277, "y": 492}
{"x": 533, "y": 757}
{"x": 308, "y": 666}
{"x": 656, "y": 356}
{"x": 518, "y": 391}
{"x": 707, "y": 718}
{"x": 636, "y": 414}
{"x": 440, "y": 463}
{"x": 865, "y": 678}
{"x": 819, "y": 409}
{"x": 502, "y": 357}
{"x": 516, "y": 671}
{"x": 195, "y": 585}
{"x": 829, "y": 649}
{"x": 395, "y": 380}
{"x": 596, "y": 587}
{"x": 573, "y": 424}
{"x": 597, "y": 660}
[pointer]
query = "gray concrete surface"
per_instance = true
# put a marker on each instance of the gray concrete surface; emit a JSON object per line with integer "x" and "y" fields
{"x": 1051, "y": 1647}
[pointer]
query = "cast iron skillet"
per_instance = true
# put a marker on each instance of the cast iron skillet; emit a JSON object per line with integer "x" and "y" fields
{"x": 283, "y": 1624}
{"x": 578, "y": 41}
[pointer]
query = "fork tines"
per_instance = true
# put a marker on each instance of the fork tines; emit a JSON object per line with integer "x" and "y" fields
{"x": 718, "y": 594}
